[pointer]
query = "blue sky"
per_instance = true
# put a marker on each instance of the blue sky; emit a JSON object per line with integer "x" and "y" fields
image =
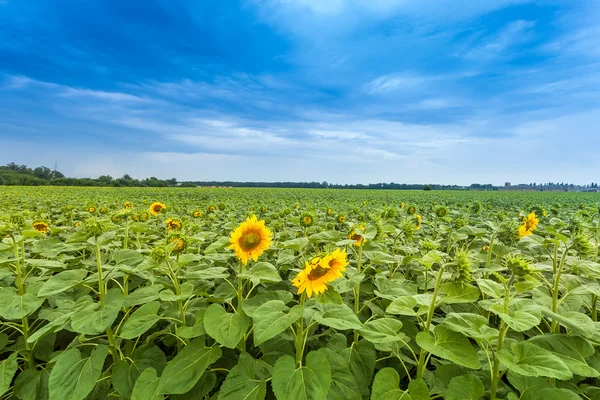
{"x": 442, "y": 91}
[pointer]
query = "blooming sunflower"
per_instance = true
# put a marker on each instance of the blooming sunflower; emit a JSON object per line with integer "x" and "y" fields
{"x": 359, "y": 238}
{"x": 197, "y": 214}
{"x": 306, "y": 220}
{"x": 316, "y": 275}
{"x": 250, "y": 239}
{"x": 92, "y": 210}
{"x": 418, "y": 220}
{"x": 529, "y": 224}
{"x": 156, "y": 207}
{"x": 341, "y": 219}
{"x": 40, "y": 226}
{"x": 128, "y": 204}
{"x": 173, "y": 224}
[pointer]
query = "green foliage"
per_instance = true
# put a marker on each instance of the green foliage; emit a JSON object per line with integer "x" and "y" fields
{"x": 100, "y": 307}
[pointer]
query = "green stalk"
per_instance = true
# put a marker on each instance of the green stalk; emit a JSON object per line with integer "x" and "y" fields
{"x": 502, "y": 333}
{"x": 556, "y": 287}
{"x": 126, "y": 238}
{"x": 240, "y": 296}
{"x": 21, "y": 292}
{"x": 357, "y": 288}
{"x": 594, "y": 297}
{"x": 300, "y": 335}
{"x": 430, "y": 313}
{"x": 102, "y": 295}
{"x": 488, "y": 260}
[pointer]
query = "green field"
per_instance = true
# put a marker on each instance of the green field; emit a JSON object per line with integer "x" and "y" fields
{"x": 421, "y": 295}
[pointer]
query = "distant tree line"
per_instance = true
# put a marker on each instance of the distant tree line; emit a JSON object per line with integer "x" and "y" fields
{"x": 21, "y": 175}
{"x": 326, "y": 185}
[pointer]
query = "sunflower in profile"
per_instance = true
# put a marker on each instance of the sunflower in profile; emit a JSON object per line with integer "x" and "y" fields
{"x": 411, "y": 210}
{"x": 359, "y": 238}
{"x": 180, "y": 243}
{"x": 250, "y": 239}
{"x": 529, "y": 225}
{"x": 197, "y": 214}
{"x": 306, "y": 220}
{"x": 40, "y": 226}
{"x": 402, "y": 205}
{"x": 156, "y": 208}
{"x": 341, "y": 219}
{"x": 419, "y": 219}
{"x": 128, "y": 205}
{"x": 316, "y": 275}
{"x": 173, "y": 224}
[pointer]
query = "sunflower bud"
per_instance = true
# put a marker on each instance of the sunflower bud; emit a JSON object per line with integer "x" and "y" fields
{"x": 93, "y": 227}
{"x": 178, "y": 242}
{"x": 461, "y": 266}
{"x": 441, "y": 212}
{"x": 306, "y": 220}
{"x": 582, "y": 245}
{"x": 159, "y": 253}
{"x": 411, "y": 210}
{"x": 518, "y": 265}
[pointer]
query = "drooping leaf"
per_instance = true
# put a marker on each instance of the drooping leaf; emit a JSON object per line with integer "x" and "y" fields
{"x": 531, "y": 360}
{"x": 140, "y": 321}
{"x": 226, "y": 328}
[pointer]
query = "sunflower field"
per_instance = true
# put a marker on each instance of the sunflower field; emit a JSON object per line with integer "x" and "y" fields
{"x": 291, "y": 294}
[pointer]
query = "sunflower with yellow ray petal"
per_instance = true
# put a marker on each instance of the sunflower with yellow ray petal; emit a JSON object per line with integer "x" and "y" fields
{"x": 316, "y": 275}
{"x": 418, "y": 221}
{"x": 40, "y": 226}
{"x": 359, "y": 238}
{"x": 156, "y": 208}
{"x": 173, "y": 224}
{"x": 529, "y": 225}
{"x": 250, "y": 239}
{"x": 128, "y": 205}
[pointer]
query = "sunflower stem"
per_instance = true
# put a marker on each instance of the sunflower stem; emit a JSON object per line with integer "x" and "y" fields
{"x": 357, "y": 288}
{"x": 300, "y": 335}
{"x": 21, "y": 292}
{"x": 503, "y": 329}
{"x": 240, "y": 296}
{"x": 556, "y": 288}
{"x": 422, "y": 356}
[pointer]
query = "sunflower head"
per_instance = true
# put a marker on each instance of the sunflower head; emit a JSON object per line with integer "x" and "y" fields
{"x": 411, "y": 210}
{"x": 364, "y": 203}
{"x": 135, "y": 217}
{"x": 518, "y": 265}
{"x": 358, "y": 237}
{"x": 103, "y": 210}
{"x": 441, "y": 212}
{"x": 173, "y": 224}
{"x": 197, "y": 214}
{"x": 319, "y": 272}
{"x": 306, "y": 220}
{"x": 402, "y": 205}
{"x": 92, "y": 209}
{"x": 361, "y": 218}
{"x": 529, "y": 225}
{"x": 212, "y": 208}
{"x": 40, "y": 226}
{"x": 178, "y": 242}
{"x": 461, "y": 266}
{"x": 159, "y": 253}
{"x": 250, "y": 239}
{"x": 263, "y": 209}
{"x": 128, "y": 204}
{"x": 329, "y": 211}
{"x": 116, "y": 218}
{"x": 94, "y": 227}
{"x": 156, "y": 208}
{"x": 297, "y": 206}
{"x": 418, "y": 221}
{"x": 144, "y": 216}
{"x": 583, "y": 245}
{"x": 341, "y": 219}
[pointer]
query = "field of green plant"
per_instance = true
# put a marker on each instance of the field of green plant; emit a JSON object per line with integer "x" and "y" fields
{"x": 204, "y": 293}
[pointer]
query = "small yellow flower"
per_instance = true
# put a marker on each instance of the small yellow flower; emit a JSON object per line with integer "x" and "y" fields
{"x": 250, "y": 239}
{"x": 92, "y": 210}
{"x": 529, "y": 225}
{"x": 156, "y": 208}
{"x": 316, "y": 275}
{"x": 40, "y": 226}
{"x": 197, "y": 214}
{"x": 128, "y": 204}
{"x": 486, "y": 248}
{"x": 173, "y": 224}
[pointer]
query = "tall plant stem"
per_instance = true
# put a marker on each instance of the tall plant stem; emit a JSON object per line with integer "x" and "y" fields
{"x": 357, "y": 288}
{"x": 430, "y": 313}
{"x": 556, "y": 287}
{"x": 502, "y": 333}
{"x": 20, "y": 262}
{"x": 102, "y": 296}
{"x": 300, "y": 335}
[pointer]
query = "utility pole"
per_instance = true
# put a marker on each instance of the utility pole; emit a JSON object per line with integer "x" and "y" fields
{"x": 55, "y": 168}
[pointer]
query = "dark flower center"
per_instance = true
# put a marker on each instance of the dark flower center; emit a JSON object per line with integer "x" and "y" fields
{"x": 317, "y": 273}
{"x": 249, "y": 241}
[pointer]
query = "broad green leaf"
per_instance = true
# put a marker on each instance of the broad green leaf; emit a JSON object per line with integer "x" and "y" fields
{"x": 270, "y": 320}
{"x": 73, "y": 377}
{"x": 183, "y": 371}
{"x": 147, "y": 386}
{"x": 325, "y": 236}
{"x": 383, "y": 330}
{"x": 387, "y": 386}
{"x": 32, "y": 385}
{"x": 226, "y": 328}
{"x": 361, "y": 361}
{"x": 466, "y": 387}
{"x": 458, "y": 293}
{"x": 243, "y": 381}
{"x": 309, "y": 382}
{"x": 531, "y": 360}
{"x": 15, "y": 307}
{"x": 95, "y": 319}
{"x": 295, "y": 244}
{"x": 450, "y": 346}
{"x": 578, "y": 323}
{"x": 141, "y": 320}
{"x": 343, "y": 384}
{"x": 62, "y": 281}
{"x": 547, "y": 392}
{"x": 8, "y": 368}
{"x": 128, "y": 257}
{"x": 217, "y": 244}
{"x": 572, "y": 350}
{"x": 523, "y": 314}
{"x": 406, "y": 306}
{"x": 250, "y": 305}
{"x": 201, "y": 390}
{"x": 142, "y": 296}
{"x": 470, "y": 325}
{"x": 418, "y": 390}
{"x": 379, "y": 257}
{"x": 338, "y": 316}
{"x": 490, "y": 288}
{"x": 262, "y": 272}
